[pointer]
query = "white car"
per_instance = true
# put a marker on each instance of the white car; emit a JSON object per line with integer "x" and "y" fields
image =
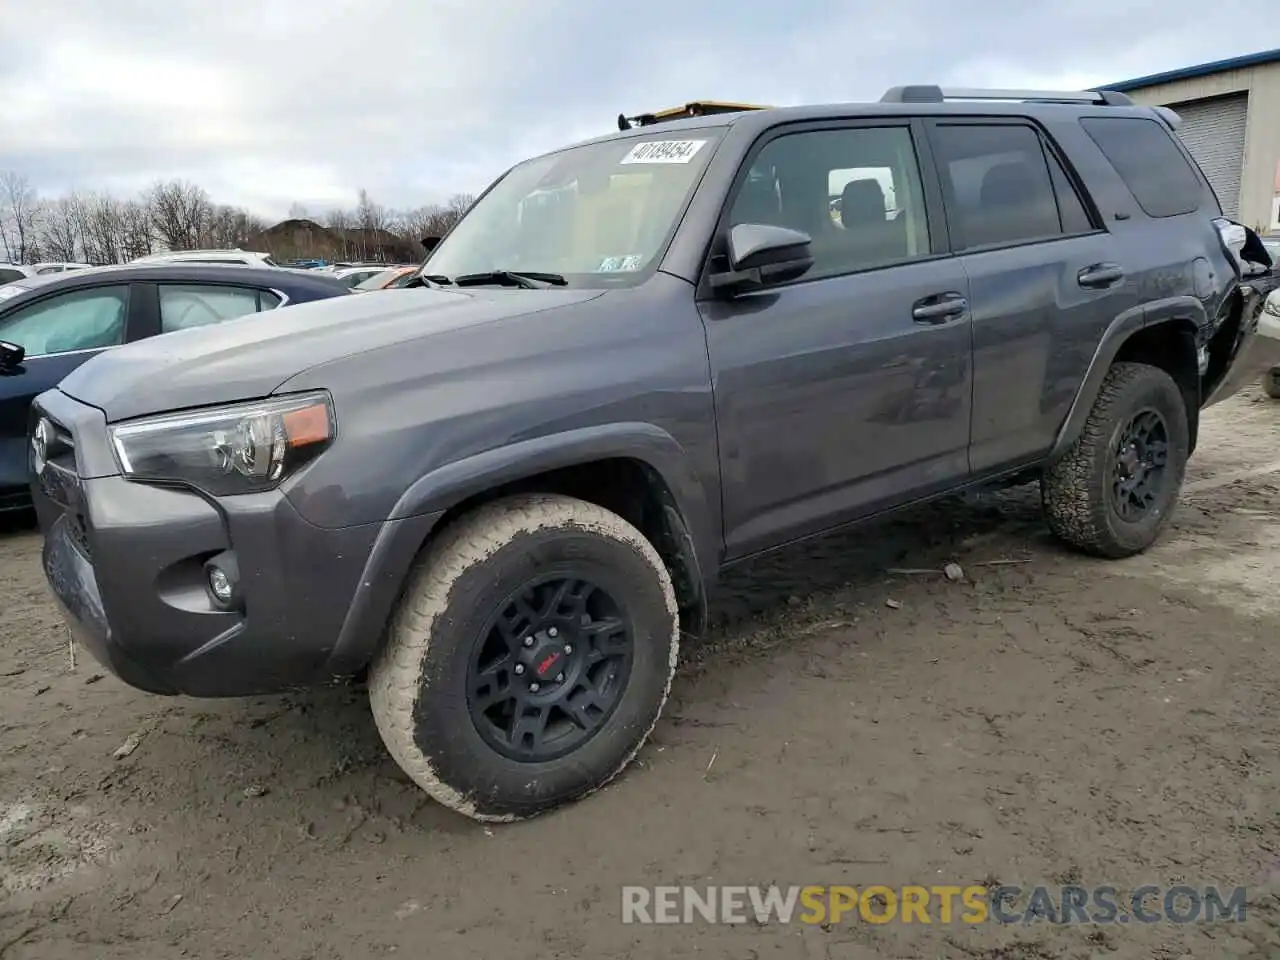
{"x": 250, "y": 258}
{"x": 354, "y": 275}
{"x": 59, "y": 267}
{"x": 14, "y": 271}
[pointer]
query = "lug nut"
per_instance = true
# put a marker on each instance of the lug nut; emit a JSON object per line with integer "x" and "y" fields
{"x": 553, "y": 632}
{"x": 528, "y": 641}
{"x": 519, "y": 669}
{"x": 534, "y": 687}
{"x": 568, "y": 648}
{"x": 559, "y": 678}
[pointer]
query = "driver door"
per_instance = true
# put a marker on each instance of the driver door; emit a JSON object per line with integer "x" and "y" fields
{"x": 847, "y": 391}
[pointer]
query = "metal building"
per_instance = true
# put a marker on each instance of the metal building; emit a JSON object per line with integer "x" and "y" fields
{"x": 1230, "y": 113}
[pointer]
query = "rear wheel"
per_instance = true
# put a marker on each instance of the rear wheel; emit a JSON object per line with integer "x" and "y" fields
{"x": 529, "y": 659}
{"x": 1114, "y": 491}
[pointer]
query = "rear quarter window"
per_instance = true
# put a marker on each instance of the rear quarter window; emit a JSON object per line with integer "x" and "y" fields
{"x": 1145, "y": 156}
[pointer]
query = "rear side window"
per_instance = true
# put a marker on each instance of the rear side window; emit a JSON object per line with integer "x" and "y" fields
{"x": 188, "y": 305}
{"x": 999, "y": 185}
{"x": 1149, "y": 162}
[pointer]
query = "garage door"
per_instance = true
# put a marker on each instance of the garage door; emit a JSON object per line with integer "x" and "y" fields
{"x": 1213, "y": 131}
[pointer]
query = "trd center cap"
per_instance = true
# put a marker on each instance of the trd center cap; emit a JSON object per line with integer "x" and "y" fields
{"x": 545, "y": 660}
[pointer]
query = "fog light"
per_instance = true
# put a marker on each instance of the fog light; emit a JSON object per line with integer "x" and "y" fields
{"x": 220, "y": 584}
{"x": 222, "y": 576}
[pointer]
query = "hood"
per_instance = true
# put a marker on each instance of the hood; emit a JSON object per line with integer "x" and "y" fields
{"x": 248, "y": 358}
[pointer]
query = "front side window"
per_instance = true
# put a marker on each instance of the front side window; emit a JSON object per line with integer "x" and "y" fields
{"x": 597, "y": 214}
{"x": 186, "y": 305}
{"x": 856, "y": 192}
{"x": 79, "y": 320}
{"x": 1000, "y": 188}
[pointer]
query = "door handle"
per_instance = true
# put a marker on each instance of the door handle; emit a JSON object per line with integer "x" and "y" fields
{"x": 939, "y": 308}
{"x": 1100, "y": 275}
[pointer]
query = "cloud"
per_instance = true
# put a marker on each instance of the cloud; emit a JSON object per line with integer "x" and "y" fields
{"x": 265, "y": 102}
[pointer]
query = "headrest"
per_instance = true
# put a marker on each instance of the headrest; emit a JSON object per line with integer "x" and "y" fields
{"x": 862, "y": 201}
{"x": 1007, "y": 183}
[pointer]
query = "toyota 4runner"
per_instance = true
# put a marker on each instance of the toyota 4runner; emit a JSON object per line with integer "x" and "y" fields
{"x": 506, "y": 490}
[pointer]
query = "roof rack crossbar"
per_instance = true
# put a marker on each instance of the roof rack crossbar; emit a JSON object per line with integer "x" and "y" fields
{"x": 929, "y": 93}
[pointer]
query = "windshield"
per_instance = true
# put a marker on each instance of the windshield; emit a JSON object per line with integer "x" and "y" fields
{"x": 599, "y": 214}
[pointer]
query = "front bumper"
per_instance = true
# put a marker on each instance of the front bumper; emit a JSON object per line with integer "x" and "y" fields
{"x": 1257, "y": 347}
{"x": 125, "y": 562}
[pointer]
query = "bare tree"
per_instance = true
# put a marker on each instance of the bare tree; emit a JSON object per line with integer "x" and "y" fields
{"x": 103, "y": 229}
{"x": 137, "y": 238}
{"x": 177, "y": 215}
{"x": 180, "y": 214}
{"x": 19, "y": 212}
{"x": 60, "y": 230}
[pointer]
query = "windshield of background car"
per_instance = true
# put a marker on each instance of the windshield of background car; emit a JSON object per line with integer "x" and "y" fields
{"x": 378, "y": 280}
{"x": 600, "y": 214}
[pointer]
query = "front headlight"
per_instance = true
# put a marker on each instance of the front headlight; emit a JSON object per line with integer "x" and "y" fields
{"x": 243, "y": 448}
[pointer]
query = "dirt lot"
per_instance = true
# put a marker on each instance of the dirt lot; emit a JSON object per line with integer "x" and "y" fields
{"x": 1047, "y": 721}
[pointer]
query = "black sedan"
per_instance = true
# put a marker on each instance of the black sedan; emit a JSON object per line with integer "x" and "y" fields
{"x": 51, "y": 324}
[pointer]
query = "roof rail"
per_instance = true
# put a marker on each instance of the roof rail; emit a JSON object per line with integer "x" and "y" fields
{"x": 930, "y": 93}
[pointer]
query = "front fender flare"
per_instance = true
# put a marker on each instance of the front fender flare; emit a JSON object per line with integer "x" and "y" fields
{"x": 449, "y": 485}
{"x": 421, "y": 508}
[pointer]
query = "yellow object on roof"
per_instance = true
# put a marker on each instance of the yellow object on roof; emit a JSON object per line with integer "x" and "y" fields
{"x": 697, "y": 108}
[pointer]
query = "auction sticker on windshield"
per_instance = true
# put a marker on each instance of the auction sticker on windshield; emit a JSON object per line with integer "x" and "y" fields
{"x": 664, "y": 151}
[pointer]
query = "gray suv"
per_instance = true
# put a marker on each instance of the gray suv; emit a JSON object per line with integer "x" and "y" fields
{"x": 506, "y": 491}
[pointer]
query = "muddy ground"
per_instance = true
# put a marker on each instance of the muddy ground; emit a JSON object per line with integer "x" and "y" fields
{"x": 1053, "y": 720}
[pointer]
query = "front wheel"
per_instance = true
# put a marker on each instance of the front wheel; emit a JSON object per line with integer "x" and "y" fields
{"x": 1114, "y": 491}
{"x": 529, "y": 659}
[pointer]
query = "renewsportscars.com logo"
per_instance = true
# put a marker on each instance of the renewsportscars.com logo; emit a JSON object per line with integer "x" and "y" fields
{"x": 972, "y": 904}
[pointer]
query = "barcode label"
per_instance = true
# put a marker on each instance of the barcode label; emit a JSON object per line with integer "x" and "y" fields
{"x": 664, "y": 151}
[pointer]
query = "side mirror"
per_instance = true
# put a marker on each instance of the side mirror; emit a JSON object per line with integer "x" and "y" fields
{"x": 1272, "y": 304}
{"x": 430, "y": 243}
{"x": 11, "y": 354}
{"x": 760, "y": 255}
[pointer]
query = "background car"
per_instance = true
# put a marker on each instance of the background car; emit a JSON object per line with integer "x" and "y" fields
{"x": 60, "y": 320}
{"x": 58, "y": 267}
{"x": 248, "y": 257}
{"x": 14, "y": 271}
{"x": 352, "y": 276}
{"x": 386, "y": 279}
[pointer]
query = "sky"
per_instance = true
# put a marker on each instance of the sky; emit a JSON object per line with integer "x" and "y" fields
{"x": 267, "y": 103}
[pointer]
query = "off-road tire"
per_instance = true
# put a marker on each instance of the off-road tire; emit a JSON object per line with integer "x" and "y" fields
{"x": 1075, "y": 490}
{"x": 1271, "y": 383}
{"x": 418, "y": 686}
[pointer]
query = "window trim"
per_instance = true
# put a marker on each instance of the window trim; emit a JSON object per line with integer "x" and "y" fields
{"x": 257, "y": 290}
{"x": 45, "y": 297}
{"x": 935, "y": 220}
{"x": 1047, "y": 147}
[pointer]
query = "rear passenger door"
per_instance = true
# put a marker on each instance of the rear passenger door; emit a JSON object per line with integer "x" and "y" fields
{"x": 1045, "y": 279}
{"x": 181, "y": 306}
{"x": 847, "y": 390}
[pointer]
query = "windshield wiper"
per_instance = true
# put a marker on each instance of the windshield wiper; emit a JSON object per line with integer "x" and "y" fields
{"x": 510, "y": 278}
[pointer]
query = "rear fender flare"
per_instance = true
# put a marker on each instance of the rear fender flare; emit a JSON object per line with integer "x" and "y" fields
{"x": 1184, "y": 309}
